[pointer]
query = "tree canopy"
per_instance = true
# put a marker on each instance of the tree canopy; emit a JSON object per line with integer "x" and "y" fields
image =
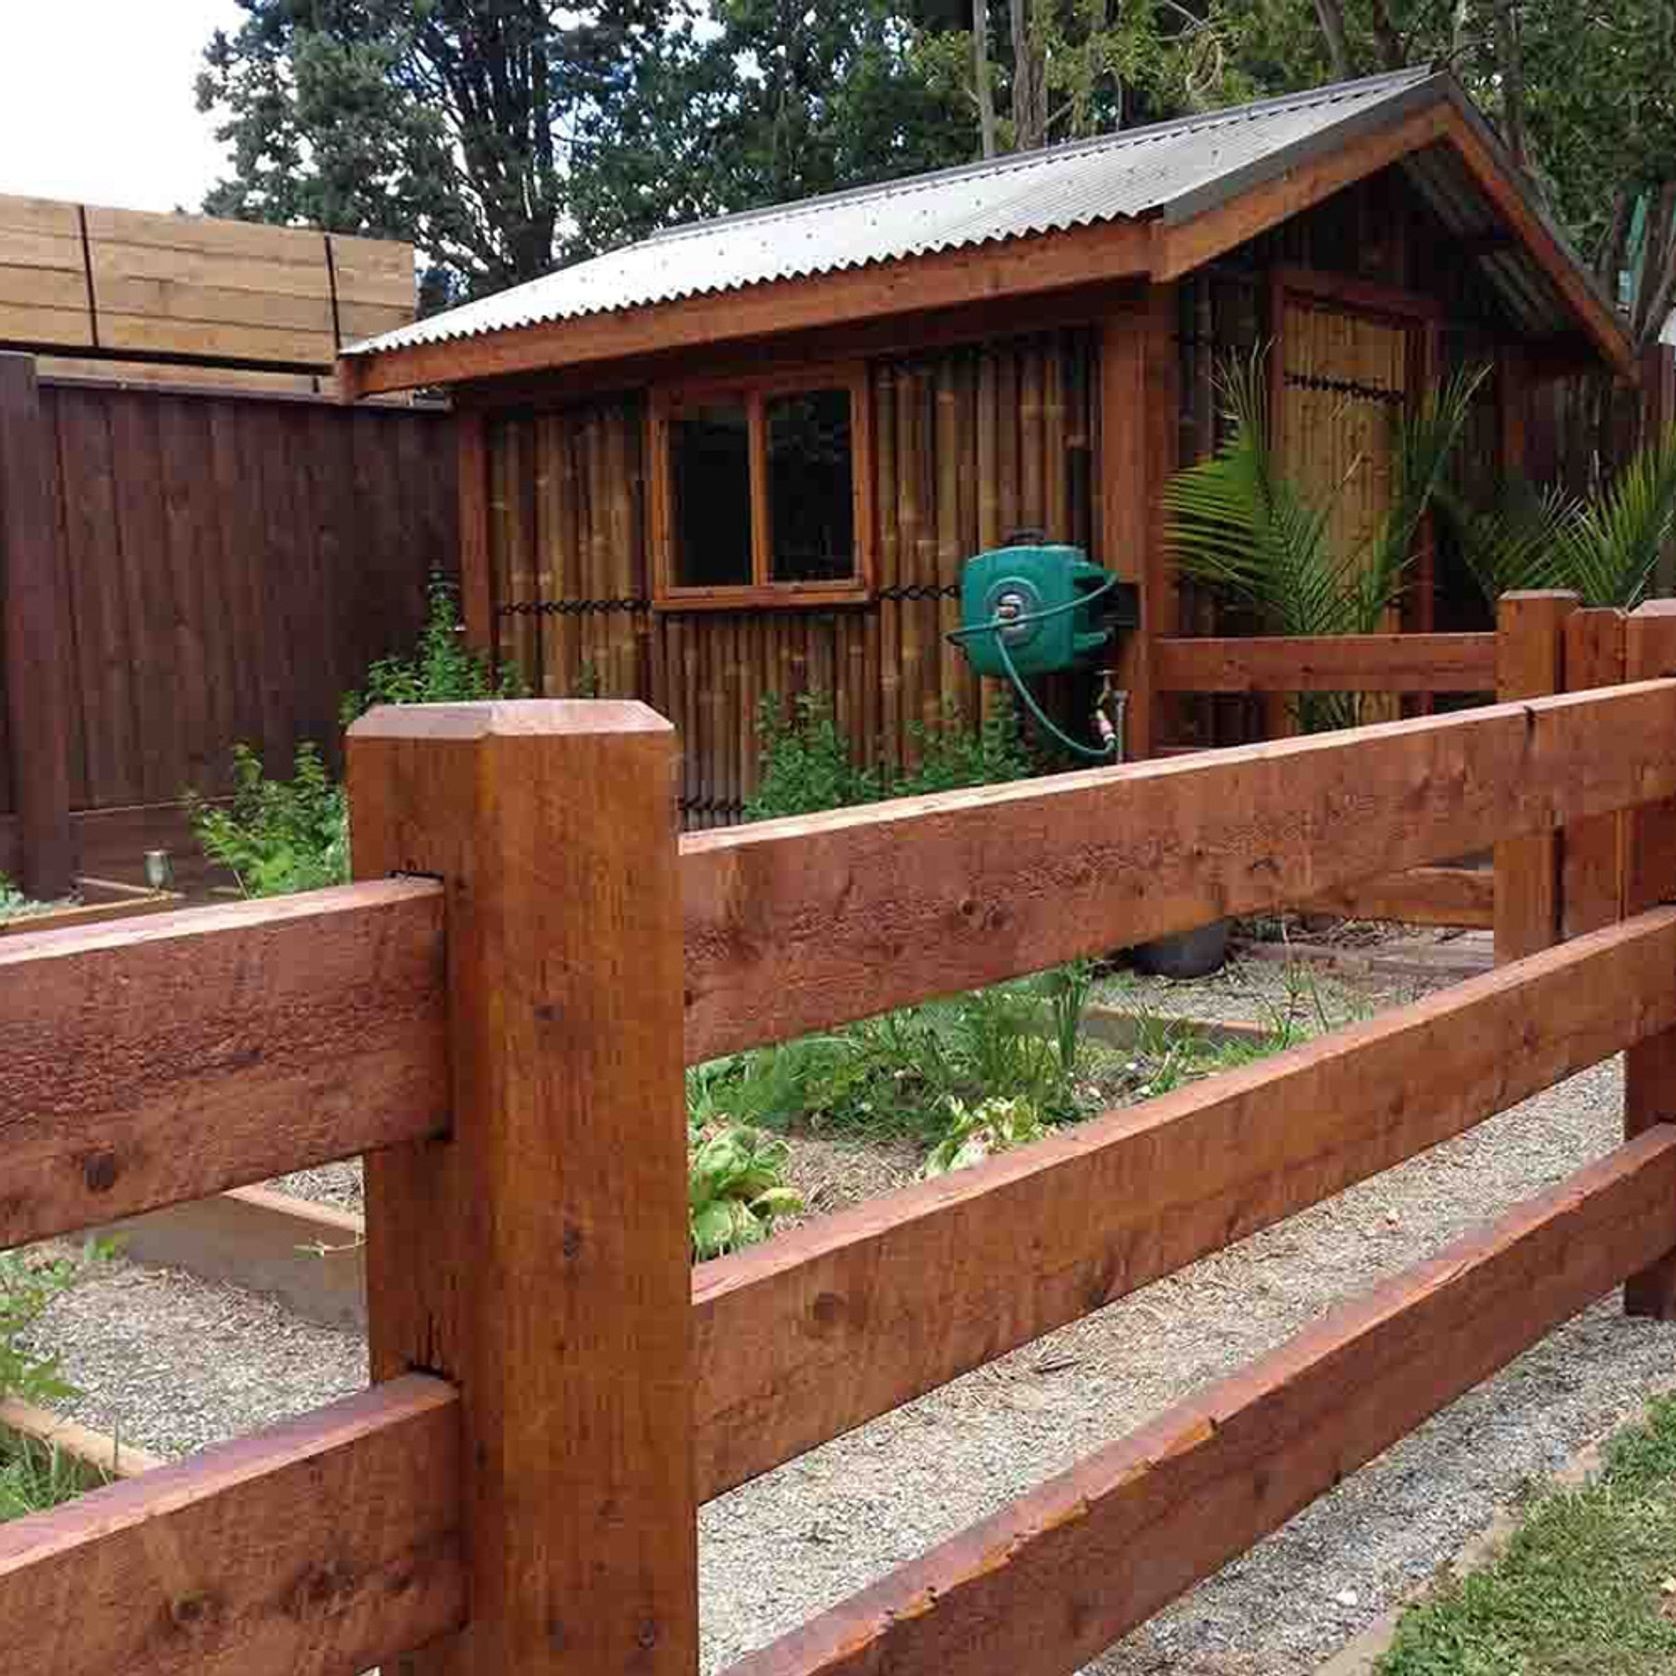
{"x": 504, "y": 136}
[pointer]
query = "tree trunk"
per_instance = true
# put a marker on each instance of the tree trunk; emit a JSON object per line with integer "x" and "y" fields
{"x": 1029, "y": 80}
{"x": 981, "y": 76}
{"x": 1391, "y": 53}
{"x": 1331, "y": 16}
{"x": 1510, "y": 66}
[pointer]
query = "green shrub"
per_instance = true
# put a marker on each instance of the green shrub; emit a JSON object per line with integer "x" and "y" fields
{"x": 952, "y": 755}
{"x": 440, "y": 670}
{"x": 278, "y": 835}
{"x": 735, "y": 1186}
{"x": 807, "y": 764}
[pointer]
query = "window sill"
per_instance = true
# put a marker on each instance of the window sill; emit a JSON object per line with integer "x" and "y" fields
{"x": 780, "y": 596}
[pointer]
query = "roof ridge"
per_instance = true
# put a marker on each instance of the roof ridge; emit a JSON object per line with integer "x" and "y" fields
{"x": 1021, "y": 161}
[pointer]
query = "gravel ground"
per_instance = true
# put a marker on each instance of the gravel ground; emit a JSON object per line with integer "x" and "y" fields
{"x": 177, "y": 1363}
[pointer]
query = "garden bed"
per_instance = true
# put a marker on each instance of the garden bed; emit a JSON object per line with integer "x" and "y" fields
{"x": 93, "y": 902}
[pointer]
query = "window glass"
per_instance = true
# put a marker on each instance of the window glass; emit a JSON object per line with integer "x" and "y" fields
{"x": 810, "y": 487}
{"x": 710, "y": 476}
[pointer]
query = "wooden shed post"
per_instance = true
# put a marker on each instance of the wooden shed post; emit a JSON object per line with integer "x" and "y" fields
{"x": 1138, "y": 446}
{"x": 34, "y": 650}
{"x": 1530, "y": 663}
{"x": 539, "y": 1256}
{"x": 1650, "y": 878}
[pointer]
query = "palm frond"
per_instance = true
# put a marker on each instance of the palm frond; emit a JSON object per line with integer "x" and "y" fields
{"x": 1608, "y": 548}
{"x": 1515, "y": 542}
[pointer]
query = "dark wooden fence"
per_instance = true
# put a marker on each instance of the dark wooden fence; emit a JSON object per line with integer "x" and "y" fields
{"x": 184, "y": 569}
{"x": 556, "y": 1391}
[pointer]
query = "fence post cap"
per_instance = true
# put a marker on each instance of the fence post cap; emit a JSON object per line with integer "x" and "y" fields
{"x": 499, "y": 718}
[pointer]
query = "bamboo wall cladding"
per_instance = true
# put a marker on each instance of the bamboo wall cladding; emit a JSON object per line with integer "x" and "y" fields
{"x": 968, "y": 446}
{"x": 1345, "y": 383}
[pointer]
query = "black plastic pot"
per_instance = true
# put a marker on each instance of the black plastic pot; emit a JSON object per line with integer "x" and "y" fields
{"x": 1186, "y": 954}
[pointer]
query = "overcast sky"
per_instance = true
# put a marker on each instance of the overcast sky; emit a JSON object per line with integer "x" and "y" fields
{"x": 96, "y": 100}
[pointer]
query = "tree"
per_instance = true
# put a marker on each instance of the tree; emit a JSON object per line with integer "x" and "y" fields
{"x": 442, "y": 121}
{"x": 772, "y": 101}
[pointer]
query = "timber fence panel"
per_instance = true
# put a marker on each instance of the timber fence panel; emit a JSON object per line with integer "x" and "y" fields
{"x": 325, "y": 1544}
{"x": 157, "y": 1060}
{"x": 796, "y": 925}
{"x": 828, "y": 1325}
{"x": 1046, "y": 1583}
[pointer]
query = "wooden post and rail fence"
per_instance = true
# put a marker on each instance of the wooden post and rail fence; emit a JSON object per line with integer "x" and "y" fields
{"x": 497, "y": 1016}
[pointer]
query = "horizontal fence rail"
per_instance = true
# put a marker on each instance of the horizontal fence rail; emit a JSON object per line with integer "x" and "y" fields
{"x": 163, "y": 1059}
{"x": 828, "y": 1325}
{"x": 1061, "y": 1573}
{"x": 801, "y": 924}
{"x": 323, "y": 1545}
{"x": 1368, "y": 663}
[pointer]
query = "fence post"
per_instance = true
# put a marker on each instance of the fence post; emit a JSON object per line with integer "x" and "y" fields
{"x": 1650, "y": 878}
{"x": 539, "y": 1256}
{"x": 1530, "y": 663}
{"x": 34, "y": 654}
{"x": 1591, "y": 868}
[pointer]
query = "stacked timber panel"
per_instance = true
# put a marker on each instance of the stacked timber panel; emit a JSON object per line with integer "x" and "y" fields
{"x": 969, "y": 445}
{"x": 43, "y": 275}
{"x": 127, "y": 283}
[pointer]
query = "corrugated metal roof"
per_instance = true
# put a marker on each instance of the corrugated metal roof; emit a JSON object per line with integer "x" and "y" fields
{"x": 1174, "y": 169}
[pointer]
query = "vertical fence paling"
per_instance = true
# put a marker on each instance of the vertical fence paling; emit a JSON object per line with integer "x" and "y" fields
{"x": 1530, "y": 663}
{"x": 34, "y": 647}
{"x": 538, "y": 1257}
{"x": 1649, "y": 877}
{"x": 1591, "y": 865}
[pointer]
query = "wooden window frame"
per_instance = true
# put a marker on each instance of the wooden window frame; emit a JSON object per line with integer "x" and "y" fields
{"x": 753, "y": 391}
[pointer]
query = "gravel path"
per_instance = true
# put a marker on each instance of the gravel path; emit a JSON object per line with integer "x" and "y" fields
{"x": 178, "y": 1362}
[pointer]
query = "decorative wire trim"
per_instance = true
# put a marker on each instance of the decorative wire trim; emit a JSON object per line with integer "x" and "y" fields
{"x": 712, "y": 806}
{"x": 919, "y": 590}
{"x": 1344, "y": 387}
{"x": 569, "y": 607}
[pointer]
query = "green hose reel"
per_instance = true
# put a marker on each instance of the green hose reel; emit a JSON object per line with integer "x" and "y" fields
{"x": 1038, "y": 608}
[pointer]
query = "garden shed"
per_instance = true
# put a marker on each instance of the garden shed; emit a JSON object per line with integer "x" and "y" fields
{"x": 750, "y": 455}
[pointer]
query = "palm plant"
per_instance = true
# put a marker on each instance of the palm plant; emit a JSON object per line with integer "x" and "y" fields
{"x": 1604, "y": 547}
{"x": 1238, "y": 523}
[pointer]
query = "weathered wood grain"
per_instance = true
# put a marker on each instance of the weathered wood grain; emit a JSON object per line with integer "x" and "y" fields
{"x": 324, "y": 1545}
{"x": 1050, "y": 1580}
{"x": 155, "y": 1060}
{"x": 1530, "y": 663}
{"x": 830, "y": 1324}
{"x": 1369, "y": 663}
{"x": 541, "y": 1257}
{"x": 795, "y": 925}
{"x": 1591, "y": 882}
{"x": 1421, "y": 896}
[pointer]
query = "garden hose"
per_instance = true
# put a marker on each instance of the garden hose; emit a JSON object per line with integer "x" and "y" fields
{"x": 1108, "y": 752}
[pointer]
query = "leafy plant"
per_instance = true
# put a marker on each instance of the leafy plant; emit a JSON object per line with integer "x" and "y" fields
{"x": 893, "y": 1077}
{"x": 952, "y": 755}
{"x": 736, "y": 1186}
{"x": 1605, "y": 547}
{"x": 978, "y": 1132}
{"x": 1237, "y": 522}
{"x": 28, "y": 1284}
{"x": 807, "y": 764}
{"x": 278, "y": 835}
{"x": 440, "y": 670}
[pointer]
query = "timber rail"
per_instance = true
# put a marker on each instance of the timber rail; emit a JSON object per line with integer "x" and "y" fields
{"x": 496, "y": 1014}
